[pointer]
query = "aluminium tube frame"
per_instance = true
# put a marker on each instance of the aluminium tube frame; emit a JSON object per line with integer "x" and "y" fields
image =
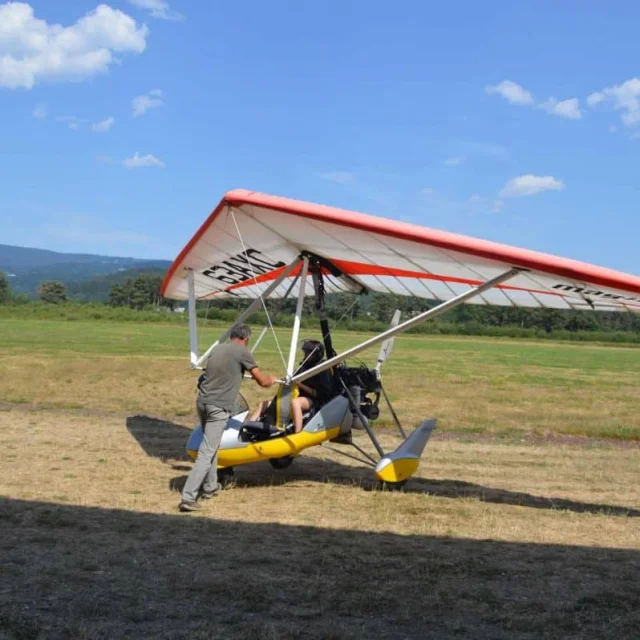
{"x": 408, "y": 324}
{"x": 297, "y": 320}
{"x": 193, "y": 326}
{"x": 393, "y": 412}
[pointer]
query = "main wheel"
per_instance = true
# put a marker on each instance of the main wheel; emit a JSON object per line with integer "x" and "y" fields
{"x": 227, "y": 477}
{"x": 281, "y": 463}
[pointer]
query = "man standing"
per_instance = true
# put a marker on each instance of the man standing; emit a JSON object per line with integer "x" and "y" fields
{"x": 217, "y": 394}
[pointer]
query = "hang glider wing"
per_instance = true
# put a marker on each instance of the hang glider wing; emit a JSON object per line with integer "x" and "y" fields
{"x": 251, "y": 237}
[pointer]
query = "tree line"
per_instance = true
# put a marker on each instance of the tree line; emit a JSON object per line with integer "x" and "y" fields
{"x": 369, "y": 311}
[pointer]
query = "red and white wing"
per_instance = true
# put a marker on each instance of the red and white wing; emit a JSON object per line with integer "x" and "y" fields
{"x": 250, "y": 237}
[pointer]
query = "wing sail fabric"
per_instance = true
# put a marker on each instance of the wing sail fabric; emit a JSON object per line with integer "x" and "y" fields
{"x": 250, "y": 238}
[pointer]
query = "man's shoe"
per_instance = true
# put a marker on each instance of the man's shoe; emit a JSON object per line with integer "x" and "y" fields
{"x": 189, "y": 505}
{"x": 207, "y": 495}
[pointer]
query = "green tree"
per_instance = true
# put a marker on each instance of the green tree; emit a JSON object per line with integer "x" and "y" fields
{"x": 5, "y": 288}
{"x": 382, "y": 307}
{"x": 118, "y": 296}
{"x": 53, "y": 292}
{"x": 138, "y": 292}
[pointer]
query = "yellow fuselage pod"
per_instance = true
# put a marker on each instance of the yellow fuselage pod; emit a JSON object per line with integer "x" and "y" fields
{"x": 279, "y": 447}
{"x": 327, "y": 423}
{"x": 403, "y": 462}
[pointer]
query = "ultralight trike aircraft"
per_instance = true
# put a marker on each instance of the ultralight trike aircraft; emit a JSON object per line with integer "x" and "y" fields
{"x": 258, "y": 246}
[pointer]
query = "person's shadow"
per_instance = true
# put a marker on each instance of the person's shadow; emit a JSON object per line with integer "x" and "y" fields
{"x": 161, "y": 439}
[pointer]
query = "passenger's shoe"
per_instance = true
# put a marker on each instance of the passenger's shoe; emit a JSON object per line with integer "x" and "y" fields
{"x": 189, "y": 505}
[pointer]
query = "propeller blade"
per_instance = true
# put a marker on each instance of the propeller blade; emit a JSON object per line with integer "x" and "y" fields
{"x": 387, "y": 345}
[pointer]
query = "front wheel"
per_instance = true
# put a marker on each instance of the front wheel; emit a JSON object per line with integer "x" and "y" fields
{"x": 281, "y": 463}
{"x": 392, "y": 486}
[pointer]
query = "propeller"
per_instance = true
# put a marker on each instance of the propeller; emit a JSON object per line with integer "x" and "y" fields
{"x": 387, "y": 345}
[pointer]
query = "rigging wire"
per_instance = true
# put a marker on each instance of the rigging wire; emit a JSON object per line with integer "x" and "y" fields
{"x": 255, "y": 279}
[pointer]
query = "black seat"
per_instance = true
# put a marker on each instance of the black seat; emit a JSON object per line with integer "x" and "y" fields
{"x": 255, "y": 430}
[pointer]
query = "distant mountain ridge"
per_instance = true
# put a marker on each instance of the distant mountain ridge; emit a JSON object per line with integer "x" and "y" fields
{"x": 28, "y": 267}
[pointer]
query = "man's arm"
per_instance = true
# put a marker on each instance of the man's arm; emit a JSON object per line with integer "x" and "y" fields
{"x": 263, "y": 379}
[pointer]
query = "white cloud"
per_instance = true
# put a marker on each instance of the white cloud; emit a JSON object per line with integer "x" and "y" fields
{"x": 512, "y": 92}
{"x": 516, "y": 94}
{"x": 40, "y": 111}
{"x": 566, "y": 108}
{"x": 104, "y": 125}
{"x": 33, "y": 51}
{"x": 595, "y": 99}
{"x": 529, "y": 185}
{"x": 623, "y": 97}
{"x": 453, "y": 162}
{"x": 339, "y": 177}
{"x": 73, "y": 122}
{"x": 158, "y": 9}
{"x": 139, "y": 161}
{"x": 151, "y": 100}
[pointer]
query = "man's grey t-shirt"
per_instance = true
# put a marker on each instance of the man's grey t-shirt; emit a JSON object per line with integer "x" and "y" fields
{"x": 223, "y": 375}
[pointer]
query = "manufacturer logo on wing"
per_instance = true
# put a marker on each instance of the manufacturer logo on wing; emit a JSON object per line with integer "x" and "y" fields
{"x": 585, "y": 291}
{"x": 242, "y": 267}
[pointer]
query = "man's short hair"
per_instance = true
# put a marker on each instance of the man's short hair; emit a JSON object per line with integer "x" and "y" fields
{"x": 240, "y": 331}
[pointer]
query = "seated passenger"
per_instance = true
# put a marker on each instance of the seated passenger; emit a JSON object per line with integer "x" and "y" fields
{"x": 314, "y": 391}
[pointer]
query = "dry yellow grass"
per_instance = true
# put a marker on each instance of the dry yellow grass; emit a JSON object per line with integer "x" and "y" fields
{"x": 534, "y": 534}
{"x": 489, "y": 539}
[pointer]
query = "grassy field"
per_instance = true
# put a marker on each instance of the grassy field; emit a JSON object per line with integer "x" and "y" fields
{"x": 523, "y": 519}
{"x": 501, "y": 387}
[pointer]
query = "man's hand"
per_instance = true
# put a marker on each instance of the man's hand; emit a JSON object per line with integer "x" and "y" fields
{"x": 263, "y": 379}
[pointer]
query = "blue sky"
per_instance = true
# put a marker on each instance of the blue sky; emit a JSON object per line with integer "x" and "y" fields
{"x": 124, "y": 123}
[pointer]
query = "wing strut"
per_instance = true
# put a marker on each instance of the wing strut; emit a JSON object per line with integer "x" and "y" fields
{"x": 408, "y": 324}
{"x": 193, "y": 326}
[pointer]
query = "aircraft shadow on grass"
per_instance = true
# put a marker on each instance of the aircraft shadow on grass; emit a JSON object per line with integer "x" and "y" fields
{"x": 74, "y": 571}
{"x": 166, "y": 440}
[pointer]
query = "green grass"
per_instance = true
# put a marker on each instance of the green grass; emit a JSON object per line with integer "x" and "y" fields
{"x": 98, "y": 337}
{"x": 474, "y": 385}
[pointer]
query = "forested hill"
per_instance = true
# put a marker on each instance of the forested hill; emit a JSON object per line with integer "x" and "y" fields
{"x": 98, "y": 289}
{"x": 26, "y": 268}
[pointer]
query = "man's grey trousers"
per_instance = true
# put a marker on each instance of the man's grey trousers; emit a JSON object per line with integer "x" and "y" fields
{"x": 205, "y": 470}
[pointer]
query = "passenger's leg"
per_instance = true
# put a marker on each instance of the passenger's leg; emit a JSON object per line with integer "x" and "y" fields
{"x": 298, "y": 406}
{"x": 264, "y": 405}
